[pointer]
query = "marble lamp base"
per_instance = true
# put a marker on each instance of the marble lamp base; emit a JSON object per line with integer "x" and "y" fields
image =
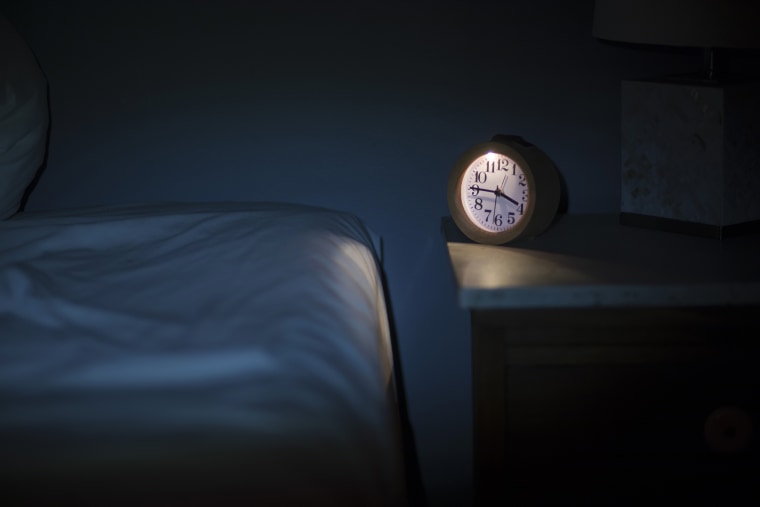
{"x": 691, "y": 156}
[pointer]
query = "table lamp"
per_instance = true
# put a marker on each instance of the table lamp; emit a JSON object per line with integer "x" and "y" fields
{"x": 690, "y": 143}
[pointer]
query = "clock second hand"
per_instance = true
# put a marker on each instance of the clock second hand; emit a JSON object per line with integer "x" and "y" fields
{"x": 499, "y": 191}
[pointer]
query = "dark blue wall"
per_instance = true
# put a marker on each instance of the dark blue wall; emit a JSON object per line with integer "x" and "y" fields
{"x": 360, "y": 106}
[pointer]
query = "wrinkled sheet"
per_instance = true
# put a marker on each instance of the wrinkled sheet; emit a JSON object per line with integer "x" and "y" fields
{"x": 196, "y": 354}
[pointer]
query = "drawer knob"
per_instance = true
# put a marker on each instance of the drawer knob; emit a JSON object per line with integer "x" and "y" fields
{"x": 728, "y": 430}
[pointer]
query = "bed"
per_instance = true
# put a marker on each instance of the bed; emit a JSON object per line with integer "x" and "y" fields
{"x": 187, "y": 354}
{"x": 196, "y": 353}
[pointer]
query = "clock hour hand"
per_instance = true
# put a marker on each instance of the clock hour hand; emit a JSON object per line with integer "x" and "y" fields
{"x": 507, "y": 197}
{"x": 500, "y": 192}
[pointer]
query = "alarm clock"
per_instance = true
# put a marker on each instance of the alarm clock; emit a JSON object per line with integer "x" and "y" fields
{"x": 503, "y": 190}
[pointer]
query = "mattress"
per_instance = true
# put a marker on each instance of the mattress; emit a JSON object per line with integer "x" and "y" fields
{"x": 215, "y": 354}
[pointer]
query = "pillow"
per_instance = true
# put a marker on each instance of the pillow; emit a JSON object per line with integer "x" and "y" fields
{"x": 24, "y": 118}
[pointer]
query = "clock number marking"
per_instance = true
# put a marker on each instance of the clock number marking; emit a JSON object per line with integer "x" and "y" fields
{"x": 521, "y": 209}
{"x": 479, "y": 204}
{"x": 475, "y": 189}
{"x": 510, "y": 218}
{"x": 497, "y": 220}
{"x": 501, "y": 164}
{"x": 480, "y": 177}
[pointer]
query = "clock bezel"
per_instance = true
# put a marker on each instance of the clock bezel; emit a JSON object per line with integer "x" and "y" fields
{"x": 460, "y": 215}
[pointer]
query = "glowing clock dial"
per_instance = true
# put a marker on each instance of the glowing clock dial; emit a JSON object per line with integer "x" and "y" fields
{"x": 494, "y": 192}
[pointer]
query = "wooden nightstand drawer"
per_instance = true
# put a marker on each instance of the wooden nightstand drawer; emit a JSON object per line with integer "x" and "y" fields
{"x": 597, "y": 431}
{"x": 604, "y": 403}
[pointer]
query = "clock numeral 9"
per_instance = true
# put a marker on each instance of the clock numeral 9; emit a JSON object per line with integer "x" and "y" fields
{"x": 475, "y": 189}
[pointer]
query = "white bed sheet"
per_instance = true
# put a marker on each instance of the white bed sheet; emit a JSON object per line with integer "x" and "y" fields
{"x": 196, "y": 354}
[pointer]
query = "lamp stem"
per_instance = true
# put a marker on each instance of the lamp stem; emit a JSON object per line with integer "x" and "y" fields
{"x": 709, "y": 69}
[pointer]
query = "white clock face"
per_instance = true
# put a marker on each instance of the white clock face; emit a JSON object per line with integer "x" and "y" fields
{"x": 494, "y": 192}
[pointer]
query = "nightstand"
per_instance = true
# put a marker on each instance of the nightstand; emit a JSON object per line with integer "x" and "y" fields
{"x": 613, "y": 365}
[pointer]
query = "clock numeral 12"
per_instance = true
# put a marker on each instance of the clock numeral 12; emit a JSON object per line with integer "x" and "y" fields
{"x": 502, "y": 165}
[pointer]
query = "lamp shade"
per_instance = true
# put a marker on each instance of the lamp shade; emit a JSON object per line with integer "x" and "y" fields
{"x": 690, "y": 23}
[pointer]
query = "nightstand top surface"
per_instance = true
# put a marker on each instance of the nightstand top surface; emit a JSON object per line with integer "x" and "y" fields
{"x": 591, "y": 261}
